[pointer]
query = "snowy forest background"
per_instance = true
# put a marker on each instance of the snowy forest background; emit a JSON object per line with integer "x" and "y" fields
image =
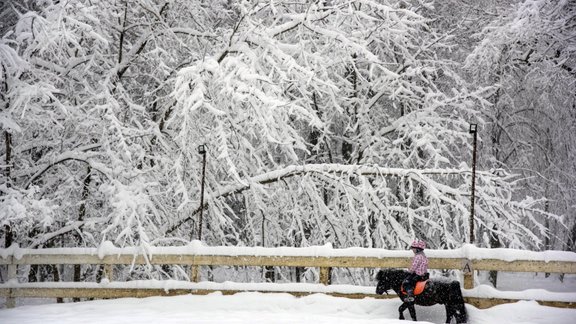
{"x": 342, "y": 122}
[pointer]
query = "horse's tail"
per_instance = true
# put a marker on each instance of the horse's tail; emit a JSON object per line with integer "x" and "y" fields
{"x": 458, "y": 301}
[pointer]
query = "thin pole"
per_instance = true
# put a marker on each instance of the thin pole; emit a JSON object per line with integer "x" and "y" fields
{"x": 202, "y": 196}
{"x": 472, "y": 198}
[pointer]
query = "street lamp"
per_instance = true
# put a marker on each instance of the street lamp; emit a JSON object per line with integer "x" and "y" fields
{"x": 473, "y": 130}
{"x": 202, "y": 151}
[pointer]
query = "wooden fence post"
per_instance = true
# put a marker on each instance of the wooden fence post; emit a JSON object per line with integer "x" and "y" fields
{"x": 325, "y": 275}
{"x": 109, "y": 271}
{"x": 12, "y": 275}
{"x": 194, "y": 273}
{"x": 468, "y": 274}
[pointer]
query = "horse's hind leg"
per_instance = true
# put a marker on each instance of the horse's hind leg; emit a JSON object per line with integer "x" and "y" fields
{"x": 460, "y": 313}
{"x": 449, "y": 313}
{"x": 458, "y": 305}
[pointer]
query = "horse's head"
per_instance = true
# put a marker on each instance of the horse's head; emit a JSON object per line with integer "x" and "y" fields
{"x": 383, "y": 282}
{"x": 389, "y": 279}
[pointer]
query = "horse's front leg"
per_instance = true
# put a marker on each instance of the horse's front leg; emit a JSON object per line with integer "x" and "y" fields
{"x": 401, "y": 310}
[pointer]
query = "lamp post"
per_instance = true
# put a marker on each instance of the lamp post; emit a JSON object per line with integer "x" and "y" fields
{"x": 474, "y": 131}
{"x": 202, "y": 151}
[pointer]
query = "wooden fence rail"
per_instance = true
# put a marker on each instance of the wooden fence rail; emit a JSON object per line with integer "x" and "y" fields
{"x": 13, "y": 289}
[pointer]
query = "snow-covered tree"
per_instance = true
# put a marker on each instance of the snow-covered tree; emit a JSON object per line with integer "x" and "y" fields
{"x": 86, "y": 88}
{"x": 341, "y": 122}
{"x": 349, "y": 85}
{"x": 529, "y": 57}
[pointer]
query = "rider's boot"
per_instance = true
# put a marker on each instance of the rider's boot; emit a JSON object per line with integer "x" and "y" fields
{"x": 410, "y": 298}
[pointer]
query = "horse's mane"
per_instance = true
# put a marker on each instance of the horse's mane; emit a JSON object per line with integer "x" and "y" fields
{"x": 388, "y": 273}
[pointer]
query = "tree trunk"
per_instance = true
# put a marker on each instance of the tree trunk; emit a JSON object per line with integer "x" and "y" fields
{"x": 56, "y": 273}
{"x": 269, "y": 274}
{"x": 8, "y": 235}
{"x": 494, "y": 243}
{"x": 268, "y": 271}
{"x": 81, "y": 216}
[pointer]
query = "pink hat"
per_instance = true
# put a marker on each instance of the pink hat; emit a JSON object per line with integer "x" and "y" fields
{"x": 419, "y": 244}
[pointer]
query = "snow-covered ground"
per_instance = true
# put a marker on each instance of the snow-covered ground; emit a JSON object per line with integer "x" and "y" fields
{"x": 254, "y": 307}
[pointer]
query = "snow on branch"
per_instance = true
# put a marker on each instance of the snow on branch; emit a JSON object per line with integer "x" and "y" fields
{"x": 324, "y": 169}
{"x": 84, "y": 157}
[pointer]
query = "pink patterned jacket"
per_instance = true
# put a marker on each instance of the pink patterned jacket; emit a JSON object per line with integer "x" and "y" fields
{"x": 419, "y": 264}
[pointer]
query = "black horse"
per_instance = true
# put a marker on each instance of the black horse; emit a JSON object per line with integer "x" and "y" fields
{"x": 437, "y": 291}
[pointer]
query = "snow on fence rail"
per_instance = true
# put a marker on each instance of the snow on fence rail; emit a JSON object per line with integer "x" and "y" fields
{"x": 468, "y": 259}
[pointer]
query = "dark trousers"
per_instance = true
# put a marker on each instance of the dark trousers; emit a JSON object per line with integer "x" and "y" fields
{"x": 411, "y": 280}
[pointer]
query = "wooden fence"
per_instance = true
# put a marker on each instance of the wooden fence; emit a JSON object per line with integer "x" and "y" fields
{"x": 12, "y": 289}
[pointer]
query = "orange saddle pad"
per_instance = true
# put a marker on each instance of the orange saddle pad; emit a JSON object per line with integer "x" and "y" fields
{"x": 418, "y": 289}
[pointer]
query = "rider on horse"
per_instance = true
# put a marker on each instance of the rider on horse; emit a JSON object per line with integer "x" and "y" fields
{"x": 418, "y": 270}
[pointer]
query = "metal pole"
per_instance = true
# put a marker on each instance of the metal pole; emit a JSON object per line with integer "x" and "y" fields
{"x": 202, "y": 150}
{"x": 473, "y": 130}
